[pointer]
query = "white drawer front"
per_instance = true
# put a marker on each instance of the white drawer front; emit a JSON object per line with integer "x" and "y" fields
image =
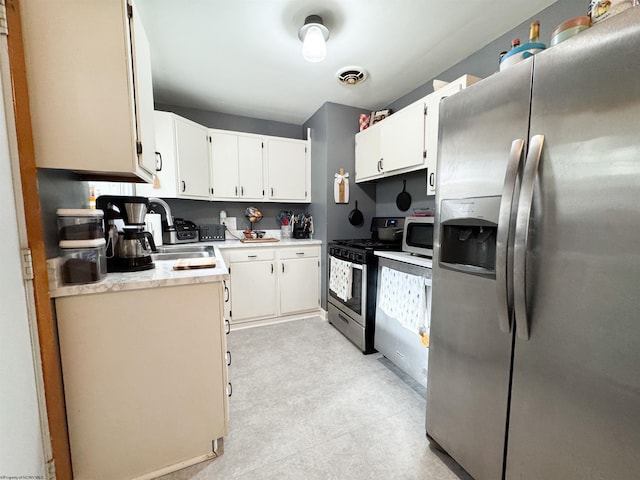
{"x": 299, "y": 252}
{"x": 251, "y": 255}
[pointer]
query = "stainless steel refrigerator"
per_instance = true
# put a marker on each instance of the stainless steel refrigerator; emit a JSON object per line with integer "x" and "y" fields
{"x": 534, "y": 362}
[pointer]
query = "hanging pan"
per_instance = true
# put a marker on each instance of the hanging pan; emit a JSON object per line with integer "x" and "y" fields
{"x": 355, "y": 217}
{"x": 403, "y": 200}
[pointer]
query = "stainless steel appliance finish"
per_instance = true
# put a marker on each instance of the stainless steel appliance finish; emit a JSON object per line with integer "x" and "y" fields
{"x": 417, "y": 236}
{"x": 355, "y": 317}
{"x": 396, "y": 342}
{"x": 533, "y": 368}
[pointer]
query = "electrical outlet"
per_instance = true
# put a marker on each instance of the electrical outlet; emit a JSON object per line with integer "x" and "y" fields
{"x": 231, "y": 223}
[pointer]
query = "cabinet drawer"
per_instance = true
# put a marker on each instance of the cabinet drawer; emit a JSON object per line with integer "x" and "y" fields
{"x": 250, "y": 255}
{"x": 300, "y": 252}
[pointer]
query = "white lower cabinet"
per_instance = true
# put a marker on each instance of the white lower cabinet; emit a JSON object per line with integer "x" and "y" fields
{"x": 253, "y": 284}
{"x": 145, "y": 379}
{"x": 299, "y": 280}
{"x": 272, "y": 282}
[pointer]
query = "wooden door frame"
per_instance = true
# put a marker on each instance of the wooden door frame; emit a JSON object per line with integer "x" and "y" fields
{"x": 47, "y": 334}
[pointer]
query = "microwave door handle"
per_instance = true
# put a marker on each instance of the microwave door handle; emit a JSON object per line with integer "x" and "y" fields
{"x": 504, "y": 281}
{"x": 522, "y": 235}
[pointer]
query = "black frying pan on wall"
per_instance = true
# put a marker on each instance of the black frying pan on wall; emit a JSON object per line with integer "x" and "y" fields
{"x": 403, "y": 200}
{"x": 355, "y": 217}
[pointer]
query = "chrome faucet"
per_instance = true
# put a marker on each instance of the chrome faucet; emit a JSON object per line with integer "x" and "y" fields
{"x": 169, "y": 232}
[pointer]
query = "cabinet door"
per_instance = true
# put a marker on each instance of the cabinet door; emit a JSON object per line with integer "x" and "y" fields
{"x": 253, "y": 290}
{"x": 251, "y": 167}
{"x": 192, "y": 151}
{"x": 431, "y": 132}
{"x": 166, "y": 146}
{"x": 299, "y": 288}
{"x": 287, "y": 167}
{"x": 224, "y": 165}
{"x": 368, "y": 158}
{"x": 402, "y": 138}
{"x": 143, "y": 94}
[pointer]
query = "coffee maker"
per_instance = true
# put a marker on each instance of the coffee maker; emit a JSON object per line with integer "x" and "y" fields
{"x": 129, "y": 246}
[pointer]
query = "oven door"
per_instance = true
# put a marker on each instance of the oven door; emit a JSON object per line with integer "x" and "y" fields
{"x": 355, "y": 306}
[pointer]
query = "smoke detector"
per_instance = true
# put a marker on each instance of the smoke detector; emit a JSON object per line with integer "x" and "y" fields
{"x": 351, "y": 75}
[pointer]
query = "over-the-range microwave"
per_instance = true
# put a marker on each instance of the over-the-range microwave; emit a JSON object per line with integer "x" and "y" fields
{"x": 418, "y": 236}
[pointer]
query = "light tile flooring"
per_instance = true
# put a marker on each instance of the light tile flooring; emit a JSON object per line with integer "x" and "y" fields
{"x": 309, "y": 405}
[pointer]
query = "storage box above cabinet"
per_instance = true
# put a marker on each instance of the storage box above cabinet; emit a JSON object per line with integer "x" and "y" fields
{"x": 183, "y": 162}
{"x": 406, "y": 140}
{"x": 89, "y": 78}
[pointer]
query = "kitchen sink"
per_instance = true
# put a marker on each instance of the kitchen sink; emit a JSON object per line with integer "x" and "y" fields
{"x": 173, "y": 252}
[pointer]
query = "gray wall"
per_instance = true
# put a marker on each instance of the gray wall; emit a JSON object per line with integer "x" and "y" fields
{"x": 482, "y": 64}
{"x": 58, "y": 189}
{"x": 333, "y": 128}
{"x": 236, "y": 123}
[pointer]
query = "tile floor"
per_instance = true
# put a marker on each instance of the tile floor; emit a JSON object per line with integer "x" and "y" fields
{"x": 309, "y": 405}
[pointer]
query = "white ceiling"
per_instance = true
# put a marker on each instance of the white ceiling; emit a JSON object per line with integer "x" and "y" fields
{"x": 244, "y": 57}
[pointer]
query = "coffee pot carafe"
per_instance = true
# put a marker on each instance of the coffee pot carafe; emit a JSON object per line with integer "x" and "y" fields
{"x": 129, "y": 246}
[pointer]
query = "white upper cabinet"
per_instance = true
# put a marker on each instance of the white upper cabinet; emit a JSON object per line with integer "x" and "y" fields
{"x": 405, "y": 141}
{"x": 89, "y": 76}
{"x": 368, "y": 155}
{"x": 182, "y": 160}
{"x": 237, "y": 166}
{"x": 192, "y": 155}
{"x": 288, "y": 166}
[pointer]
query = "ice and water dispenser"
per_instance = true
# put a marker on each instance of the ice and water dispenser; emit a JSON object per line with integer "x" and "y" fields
{"x": 468, "y": 231}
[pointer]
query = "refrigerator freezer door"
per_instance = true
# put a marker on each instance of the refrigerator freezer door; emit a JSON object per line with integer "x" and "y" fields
{"x": 575, "y": 406}
{"x": 470, "y": 357}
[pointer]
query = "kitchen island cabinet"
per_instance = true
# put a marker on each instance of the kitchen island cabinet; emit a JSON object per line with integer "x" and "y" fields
{"x": 145, "y": 375}
{"x": 89, "y": 73}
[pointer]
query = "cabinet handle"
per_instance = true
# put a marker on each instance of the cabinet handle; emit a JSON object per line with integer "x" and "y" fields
{"x": 229, "y": 389}
{"x": 272, "y": 268}
{"x": 226, "y": 292}
{"x": 242, "y": 191}
{"x": 252, "y": 256}
{"x": 382, "y": 164}
{"x": 184, "y": 185}
{"x": 272, "y": 191}
{"x": 158, "y": 164}
{"x": 227, "y": 327}
{"x": 283, "y": 268}
{"x": 236, "y": 190}
{"x": 300, "y": 253}
{"x": 378, "y": 165}
{"x": 228, "y": 358}
{"x": 431, "y": 179}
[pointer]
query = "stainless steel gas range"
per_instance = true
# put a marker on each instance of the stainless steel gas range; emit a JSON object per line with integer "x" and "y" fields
{"x": 352, "y": 298}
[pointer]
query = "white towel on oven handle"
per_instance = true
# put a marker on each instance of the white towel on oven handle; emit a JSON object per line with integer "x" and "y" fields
{"x": 341, "y": 278}
{"x": 402, "y": 296}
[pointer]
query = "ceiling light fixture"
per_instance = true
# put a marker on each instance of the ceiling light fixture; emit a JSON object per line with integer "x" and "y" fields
{"x": 314, "y": 36}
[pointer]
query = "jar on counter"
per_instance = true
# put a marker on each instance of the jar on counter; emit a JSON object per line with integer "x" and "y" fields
{"x": 80, "y": 224}
{"x": 83, "y": 261}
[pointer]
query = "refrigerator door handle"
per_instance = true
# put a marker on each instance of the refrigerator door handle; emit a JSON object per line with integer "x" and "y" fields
{"x": 504, "y": 281}
{"x": 522, "y": 235}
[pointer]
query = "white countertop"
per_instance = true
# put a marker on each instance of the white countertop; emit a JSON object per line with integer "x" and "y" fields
{"x": 233, "y": 243}
{"x": 406, "y": 258}
{"x": 162, "y": 275}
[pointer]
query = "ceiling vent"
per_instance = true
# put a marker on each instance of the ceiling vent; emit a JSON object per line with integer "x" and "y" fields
{"x": 352, "y": 75}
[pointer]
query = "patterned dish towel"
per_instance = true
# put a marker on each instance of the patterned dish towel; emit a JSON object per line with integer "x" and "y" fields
{"x": 341, "y": 278}
{"x": 402, "y": 296}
